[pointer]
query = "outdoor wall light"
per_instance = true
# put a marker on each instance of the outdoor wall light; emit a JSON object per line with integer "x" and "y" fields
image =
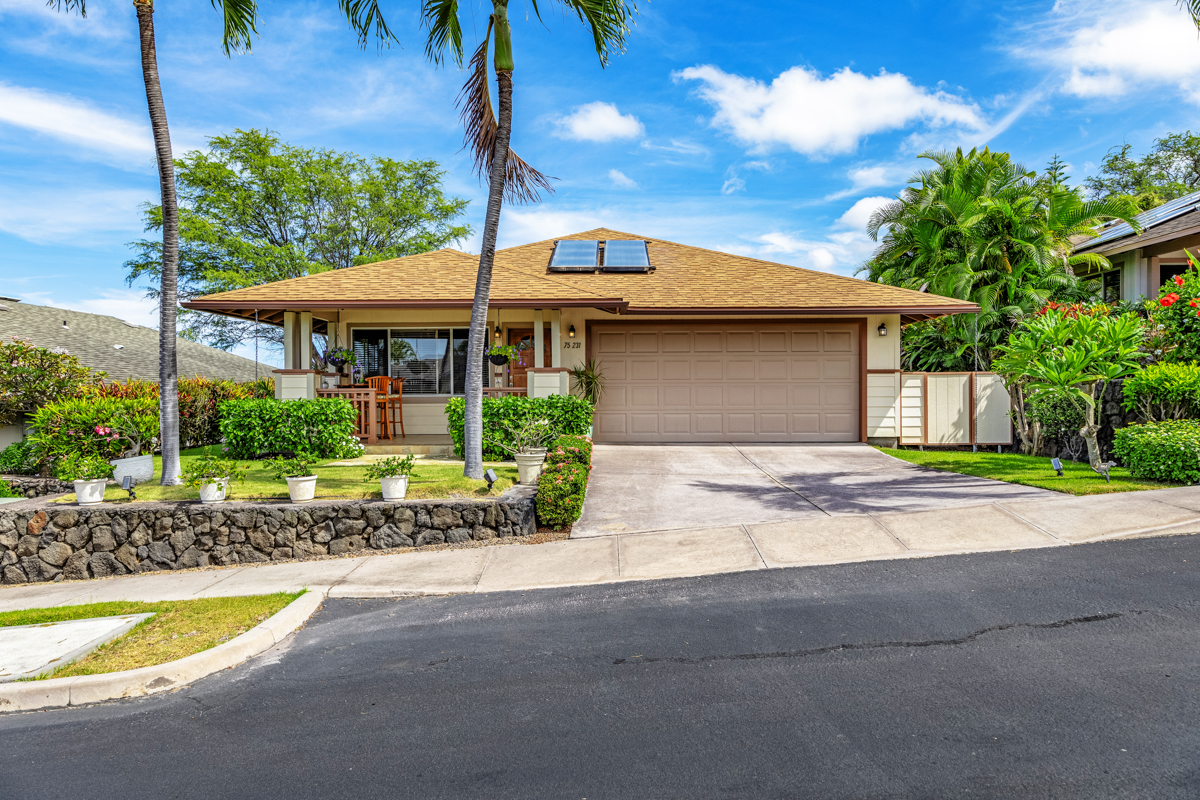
{"x": 497, "y": 332}
{"x": 882, "y": 329}
{"x": 571, "y": 332}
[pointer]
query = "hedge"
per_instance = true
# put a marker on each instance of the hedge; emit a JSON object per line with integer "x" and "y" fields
{"x": 69, "y": 426}
{"x": 562, "y": 486}
{"x": 568, "y": 415}
{"x": 320, "y": 428}
{"x": 1164, "y": 391}
{"x": 199, "y": 402}
{"x": 1161, "y": 451}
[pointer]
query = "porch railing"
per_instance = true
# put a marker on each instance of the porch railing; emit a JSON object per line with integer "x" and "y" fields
{"x": 364, "y": 402}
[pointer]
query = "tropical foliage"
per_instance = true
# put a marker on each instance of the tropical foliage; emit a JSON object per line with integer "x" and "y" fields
{"x": 31, "y": 377}
{"x": 1161, "y": 451}
{"x": 1171, "y": 169}
{"x": 976, "y": 226}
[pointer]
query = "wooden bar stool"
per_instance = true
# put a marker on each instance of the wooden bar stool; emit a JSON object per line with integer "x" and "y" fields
{"x": 397, "y": 401}
{"x": 382, "y": 384}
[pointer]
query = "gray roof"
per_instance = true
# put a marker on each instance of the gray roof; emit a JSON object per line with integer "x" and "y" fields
{"x": 117, "y": 347}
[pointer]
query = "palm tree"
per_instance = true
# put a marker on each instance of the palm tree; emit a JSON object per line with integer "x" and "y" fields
{"x": 488, "y": 138}
{"x": 241, "y": 21}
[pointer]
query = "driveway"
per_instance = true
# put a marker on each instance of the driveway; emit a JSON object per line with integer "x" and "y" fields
{"x": 664, "y": 487}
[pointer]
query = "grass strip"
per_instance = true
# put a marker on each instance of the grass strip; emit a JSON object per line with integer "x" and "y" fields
{"x": 179, "y": 628}
{"x": 1077, "y": 478}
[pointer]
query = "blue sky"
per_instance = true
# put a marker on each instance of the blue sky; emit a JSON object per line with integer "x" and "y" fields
{"x": 768, "y": 129}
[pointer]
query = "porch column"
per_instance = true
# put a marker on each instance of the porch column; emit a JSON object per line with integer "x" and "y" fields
{"x": 555, "y": 339}
{"x": 539, "y": 358}
{"x": 289, "y": 340}
{"x": 304, "y": 346}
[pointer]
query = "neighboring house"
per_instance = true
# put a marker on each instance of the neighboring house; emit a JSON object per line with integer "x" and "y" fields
{"x": 1144, "y": 262}
{"x": 695, "y": 345}
{"x": 111, "y": 345}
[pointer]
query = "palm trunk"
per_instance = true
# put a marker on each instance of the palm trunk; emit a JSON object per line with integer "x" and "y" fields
{"x": 168, "y": 378}
{"x": 473, "y": 421}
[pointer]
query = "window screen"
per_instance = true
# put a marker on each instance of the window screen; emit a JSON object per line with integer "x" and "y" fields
{"x": 423, "y": 359}
{"x": 1112, "y": 286}
{"x": 370, "y": 350}
{"x": 459, "y": 338}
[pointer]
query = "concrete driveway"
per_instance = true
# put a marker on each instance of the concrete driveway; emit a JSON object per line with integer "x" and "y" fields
{"x": 664, "y": 487}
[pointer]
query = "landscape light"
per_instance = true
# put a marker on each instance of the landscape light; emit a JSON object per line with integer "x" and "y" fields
{"x": 490, "y": 477}
{"x": 1054, "y": 462}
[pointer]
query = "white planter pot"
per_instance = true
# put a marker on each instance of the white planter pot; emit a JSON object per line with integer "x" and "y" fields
{"x": 90, "y": 493}
{"x": 302, "y": 490}
{"x": 140, "y": 469}
{"x": 529, "y": 466}
{"x": 214, "y": 492}
{"x": 394, "y": 488}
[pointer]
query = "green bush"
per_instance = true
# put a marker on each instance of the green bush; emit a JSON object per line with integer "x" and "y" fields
{"x": 8, "y": 491}
{"x": 321, "y": 428}
{"x": 561, "y": 490}
{"x": 19, "y": 458}
{"x": 31, "y": 377}
{"x": 1161, "y": 451}
{"x": 567, "y": 415}
{"x": 82, "y": 467}
{"x": 1059, "y": 417}
{"x": 101, "y": 426}
{"x": 1164, "y": 391}
{"x": 571, "y": 450}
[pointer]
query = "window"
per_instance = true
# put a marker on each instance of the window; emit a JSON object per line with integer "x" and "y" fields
{"x": 1167, "y": 272}
{"x": 431, "y": 360}
{"x": 1112, "y": 286}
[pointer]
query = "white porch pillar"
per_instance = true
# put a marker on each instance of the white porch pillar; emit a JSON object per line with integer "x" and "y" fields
{"x": 289, "y": 340}
{"x": 539, "y": 358}
{"x": 555, "y": 339}
{"x": 304, "y": 345}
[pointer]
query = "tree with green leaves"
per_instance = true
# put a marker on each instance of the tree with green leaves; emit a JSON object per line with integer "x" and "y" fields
{"x": 977, "y": 226}
{"x": 240, "y": 25}
{"x": 255, "y": 210}
{"x": 1171, "y": 169}
{"x": 1074, "y": 355}
{"x": 488, "y": 139}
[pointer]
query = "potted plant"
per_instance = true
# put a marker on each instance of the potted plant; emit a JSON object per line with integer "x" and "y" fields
{"x": 393, "y": 474}
{"x": 212, "y": 476}
{"x": 527, "y": 444}
{"x": 335, "y": 358}
{"x": 134, "y": 454}
{"x": 301, "y": 481}
{"x": 501, "y": 354}
{"x": 89, "y": 472}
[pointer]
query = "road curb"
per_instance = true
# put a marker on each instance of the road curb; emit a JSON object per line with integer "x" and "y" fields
{"x": 62, "y": 692}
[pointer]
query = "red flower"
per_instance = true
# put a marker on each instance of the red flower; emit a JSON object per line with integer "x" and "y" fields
{"x": 1179, "y": 280}
{"x": 1192, "y": 303}
{"x": 1168, "y": 300}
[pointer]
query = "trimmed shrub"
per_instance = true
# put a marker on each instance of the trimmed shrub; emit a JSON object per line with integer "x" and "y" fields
{"x": 199, "y": 402}
{"x": 561, "y": 490}
{"x": 321, "y": 428}
{"x": 1059, "y": 417}
{"x": 567, "y": 415}
{"x": 100, "y": 426}
{"x": 1161, "y": 451}
{"x": 571, "y": 450}
{"x": 19, "y": 458}
{"x": 1164, "y": 391}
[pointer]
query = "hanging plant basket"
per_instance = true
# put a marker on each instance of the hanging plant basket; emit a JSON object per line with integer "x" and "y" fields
{"x": 499, "y": 361}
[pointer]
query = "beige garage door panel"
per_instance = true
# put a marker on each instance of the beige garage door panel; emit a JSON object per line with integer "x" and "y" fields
{"x": 714, "y": 383}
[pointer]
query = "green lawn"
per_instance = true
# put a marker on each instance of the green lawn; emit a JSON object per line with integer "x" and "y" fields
{"x": 179, "y": 628}
{"x": 428, "y": 481}
{"x": 1077, "y": 479}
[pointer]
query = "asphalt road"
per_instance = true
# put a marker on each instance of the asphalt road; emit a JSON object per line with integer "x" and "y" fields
{"x": 1065, "y": 672}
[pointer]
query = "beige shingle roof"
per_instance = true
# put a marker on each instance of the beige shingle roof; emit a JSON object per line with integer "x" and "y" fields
{"x": 684, "y": 279}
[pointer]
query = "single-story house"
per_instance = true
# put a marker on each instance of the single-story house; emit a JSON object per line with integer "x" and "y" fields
{"x": 119, "y": 348}
{"x": 1143, "y": 262}
{"x": 695, "y": 345}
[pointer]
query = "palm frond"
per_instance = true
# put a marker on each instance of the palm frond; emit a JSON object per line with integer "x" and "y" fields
{"x": 1193, "y": 8}
{"x": 608, "y": 19}
{"x": 440, "y": 18}
{"x": 241, "y": 23}
{"x": 522, "y": 183}
{"x": 366, "y": 19}
{"x": 68, "y": 6}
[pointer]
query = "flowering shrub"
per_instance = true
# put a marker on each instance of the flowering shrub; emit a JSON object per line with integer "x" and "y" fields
{"x": 105, "y": 427}
{"x": 82, "y": 467}
{"x": 19, "y": 458}
{"x": 1176, "y": 317}
{"x": 562, "y": 485}
{"x": 1161, "y": 451}
{"x": 32, "y": 376}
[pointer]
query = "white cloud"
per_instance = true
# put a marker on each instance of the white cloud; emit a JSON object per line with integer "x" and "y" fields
{"x": 1112, "y": 47}
{"x": 857, "y": 215}
{"x": 818, "y": 115}
{"x": 76, "y": 215}
{"x": 598, "y": 122}
{"x": 733, "y": 185}
{"x": 75, "y": 122}
{"x": 621, "y": 180}
{"x": 844, "y": 247}
{"x": 130, "y": 305}
{"x": 873, "y": 176}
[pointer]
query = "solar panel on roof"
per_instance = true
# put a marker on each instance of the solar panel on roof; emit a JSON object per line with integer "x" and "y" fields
{"x": 1147, "y": 219}
{"x": 624, "y": 255}
{"x": 575, "y": 255}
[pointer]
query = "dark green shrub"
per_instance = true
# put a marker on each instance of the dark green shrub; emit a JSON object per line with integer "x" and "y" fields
{"x": 8, "y": 491}
{"x": 571, "y": 449}
{"x": 1164, "y": 391}
{"x": 31, "y": 377}
{"x": 567, "y": 415}
{"x": 321, "y": 428}
{"x": 561, "y": 491}
{"x": 100, "y": 426}
{"x": 1161, "y": 451}
{"x": 19, "y": 458}
{"x": 1060, "y": 418}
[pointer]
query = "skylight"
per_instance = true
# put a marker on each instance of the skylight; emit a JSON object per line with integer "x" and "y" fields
{"x": 575, "y": 255}
{"x": 624, "y": 255}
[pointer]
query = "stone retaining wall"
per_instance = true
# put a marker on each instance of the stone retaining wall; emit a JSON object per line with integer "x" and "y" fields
{"x": 33, "y": 486}
{"x": 57, "y": 542}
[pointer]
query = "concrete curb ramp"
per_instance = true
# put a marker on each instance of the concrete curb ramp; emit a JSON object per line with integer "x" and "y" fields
{"x": 61, "y": 692}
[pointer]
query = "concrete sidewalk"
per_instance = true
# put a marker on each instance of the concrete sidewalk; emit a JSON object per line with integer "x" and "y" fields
{"x": 1054, "y": 522}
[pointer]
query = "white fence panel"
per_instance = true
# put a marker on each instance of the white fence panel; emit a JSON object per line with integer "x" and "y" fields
{"x": 912, "y": 409}
{"x": 993, "y": 422}
{"x": 949, "y": 411}
{"x": 954, "y": 408}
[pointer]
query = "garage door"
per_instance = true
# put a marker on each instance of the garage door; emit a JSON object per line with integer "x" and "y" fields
{"x": 728, "y": 383}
